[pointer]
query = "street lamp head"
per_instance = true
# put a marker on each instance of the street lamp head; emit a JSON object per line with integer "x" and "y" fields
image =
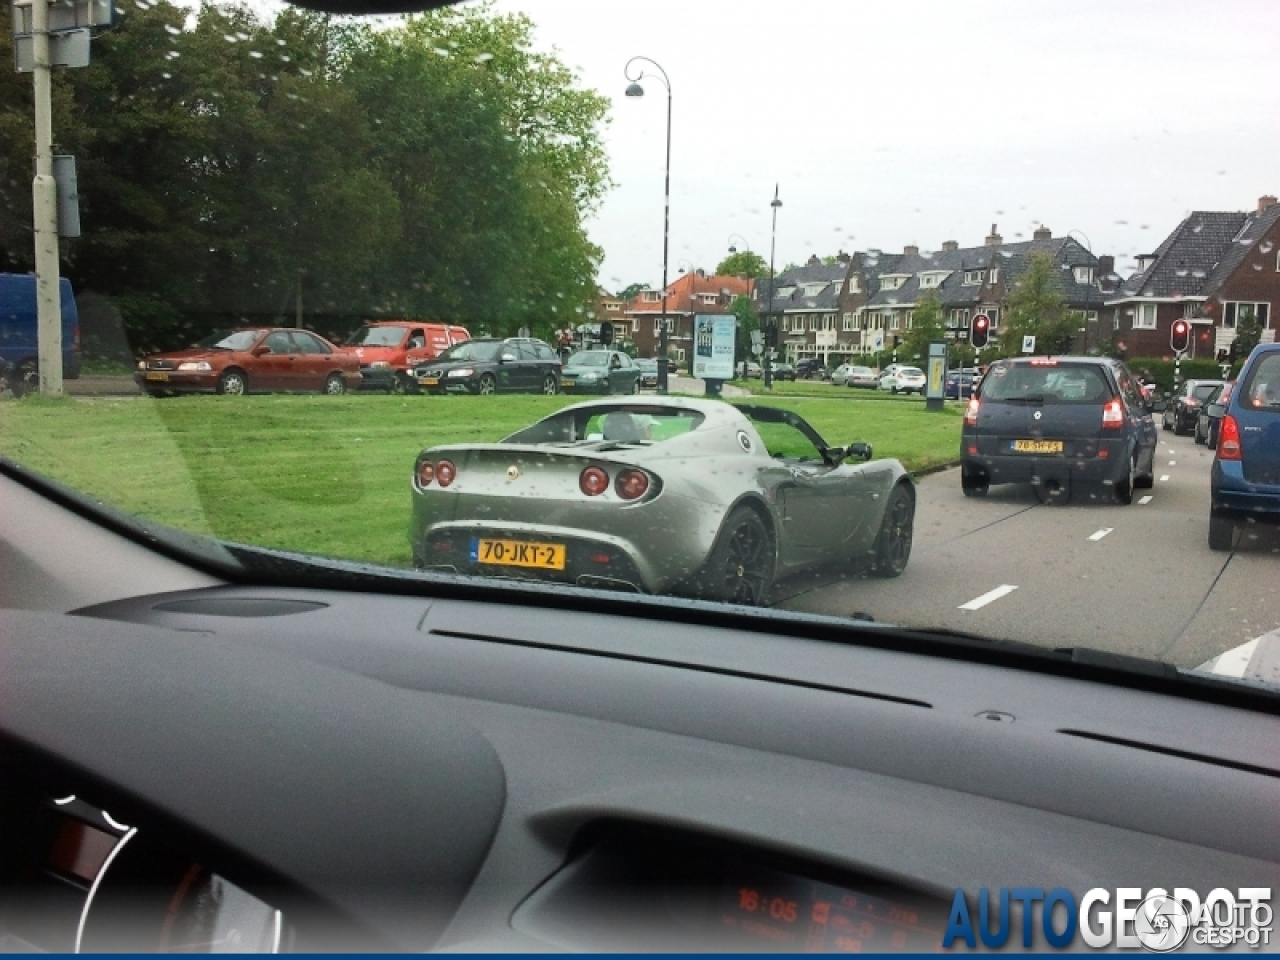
{"x": 733, "y": 249}
{"x": 775, "y": 202}
{"x": 635, "y": 90}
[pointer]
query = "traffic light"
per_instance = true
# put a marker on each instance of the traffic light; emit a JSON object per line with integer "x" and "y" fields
{"x": 980, "y": 331}
{"x": 771, "y": 335}
{"x": 1180, "y": 336}
{"x": 606, "y": 333}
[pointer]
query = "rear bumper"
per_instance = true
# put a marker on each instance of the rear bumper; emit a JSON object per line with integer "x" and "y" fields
{"x": 1232, "y": 495}
{"x": 1014, "y": 468}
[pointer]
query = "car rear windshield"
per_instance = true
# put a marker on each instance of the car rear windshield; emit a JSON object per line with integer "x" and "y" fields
{"x": 1205, "y": 391}
{"x": 1262, "y": 390}
{"x": 476, "y": 350}
{"x": 911, "y": 372}
{"x": 376, "y": 337}
{"x": 1042, "y": 383}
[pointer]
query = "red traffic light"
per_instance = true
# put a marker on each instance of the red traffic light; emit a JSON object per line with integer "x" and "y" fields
{"x": 1180, "y": 336}
{"x": 980, "y": 330}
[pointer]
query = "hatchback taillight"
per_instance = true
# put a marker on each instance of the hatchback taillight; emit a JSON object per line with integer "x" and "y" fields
{"x": 1113, "y": 414}
{"x": 1229, "y": 439}
{"x": 426, "y": 473}
{"x": 445, "y": 473}
{"x": 631, "y": 484}
{"x": 971, "y": 412}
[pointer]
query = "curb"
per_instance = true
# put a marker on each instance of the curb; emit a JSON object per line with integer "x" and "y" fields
{"x": 934, "y": 468}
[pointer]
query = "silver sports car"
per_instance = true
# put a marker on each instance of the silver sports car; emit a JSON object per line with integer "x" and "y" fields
{"x": 699, "y": 498}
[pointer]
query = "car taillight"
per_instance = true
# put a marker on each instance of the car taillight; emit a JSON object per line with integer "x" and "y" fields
{"x": 1113, "y": 414}
{"x": 426, "y": 473}
{"x": 1229, "y": 439}
{"x": 971, "y": 412}
{"x": 75, "y": 337}
{"x": 593, "y": 481}
{"x": 445, "y": 472}
{"x": 631, "y": 484}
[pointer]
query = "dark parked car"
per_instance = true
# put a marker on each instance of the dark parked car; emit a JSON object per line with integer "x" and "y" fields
{"x": 488, "y": 365}
{"x": 1064, "y": 424}
{"x": 252, "y": 360}
{"x": 785, "y": 371}
{"x": 1184, "y": 406}
{"x": 19, "y": 346}
{"x": 1245, "y": 479}
{"x": 600, "y": 371}
{"x": 810, "y": 367}
{"x": 1210, "y": 416}
{"x": 959, "y": 383}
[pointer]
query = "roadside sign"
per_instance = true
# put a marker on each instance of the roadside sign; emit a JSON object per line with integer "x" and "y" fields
{"x": 1028, "y": 344}
{"x": 714, "y": 346}
{"x": 67, "y": 49}
{"x": 65, "y": 16}
{"x": 1226, "y": 370}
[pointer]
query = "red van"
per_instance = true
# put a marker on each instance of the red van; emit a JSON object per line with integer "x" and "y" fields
{"x": 388, "y": 350}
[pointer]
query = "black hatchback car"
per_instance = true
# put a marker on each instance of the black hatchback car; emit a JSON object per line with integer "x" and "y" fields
{"x": 1064, "y": 424}
{"x": 1185, "y": 406}
{"x": 488, "y": 365}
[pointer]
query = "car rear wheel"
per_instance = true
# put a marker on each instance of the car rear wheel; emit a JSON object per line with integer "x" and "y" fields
{"x": 1164, "y": 422}
{"x": 334, "y": 385}
{"x": 974, "y": 484}
{"x": 893, "y": 545}
{"x": 549, "y": 385}
{"x": 1052, "y": 493}
{"x": 635, "y": 385}
{"x": 488, "y": 385}
{"x": 1124, "y": 488}
{"x": 1222, "y": 532}
{"x": 233, "y": 383}
{"x": 739, "y": 569}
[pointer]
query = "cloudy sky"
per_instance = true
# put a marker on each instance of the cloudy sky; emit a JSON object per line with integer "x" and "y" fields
{"x": 915, "y": 121}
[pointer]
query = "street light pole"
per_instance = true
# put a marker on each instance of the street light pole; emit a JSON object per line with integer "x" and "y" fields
{"x": 733, "y": 249}
{"x": 635, "y": 90}
{"x": 773, "y": 280}
{"x": 44, "y": 195}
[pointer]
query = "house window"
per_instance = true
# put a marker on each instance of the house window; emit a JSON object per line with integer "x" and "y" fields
{"x": 848, "y": 322}
{"x": 652, "y": 296}
{"x": 1091, "y": 316}
{"x": 813, "y": 322}
{"x": 995, "y": 274}
{"x": 1232, "y": 311}
{"x": 709, "y": 298}
{"x": 972, "y": 277}
{"x": 993, "y": 314}
{"x": 910, "y": 319}
{"x": 1145, "y": 318}
{"x": 1084, "y": 274}
{"x": 828, "y": 322}
{"x": 854, "y": 288}
{"x": 893, "y": 321}
{"x": 959, "y": 318}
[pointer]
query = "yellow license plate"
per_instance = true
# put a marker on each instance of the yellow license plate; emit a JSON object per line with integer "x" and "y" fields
{"x": 567, "y": 383}
{"x": 152, "y": 375}
{"x": 1037, "y": 446}
{"x": 519, "y": 553}
{"x": 428, "y": 381}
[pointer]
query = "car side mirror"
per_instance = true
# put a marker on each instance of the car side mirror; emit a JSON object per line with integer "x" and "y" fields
{"x": 507, "y": 358}
{"x": 859, "y": 450}
{"x": 1159, "y": 406}
{"x": 261, "y": 351}
{"x": 1216, "y": 409}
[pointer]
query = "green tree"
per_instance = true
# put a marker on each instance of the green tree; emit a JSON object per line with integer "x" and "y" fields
{"x": 631, "y": 291}
{"x": 1036, "y": 307}
{"x": 743, "y": 263}
{"x": 926, "y": 325}
{"x": 748, "y": 323}
{"x": 1248, "y": 333}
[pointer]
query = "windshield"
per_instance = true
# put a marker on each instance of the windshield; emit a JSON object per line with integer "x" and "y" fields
{"x": 376, "y": 337}
{"x": 230, "y": 340}
{"x": 592, "y": 358}
{"x": 955, "y": 246}
{"x": 479, "y": 351}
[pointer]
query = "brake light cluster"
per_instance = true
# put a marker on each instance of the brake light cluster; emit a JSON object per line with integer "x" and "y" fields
{"x": 1229, "y": 439}
{"x": 442, "y": 473}
{"x": 629, "y": 484}
{"x": 971, "y": 412}
{"x": 1113, "y": 414}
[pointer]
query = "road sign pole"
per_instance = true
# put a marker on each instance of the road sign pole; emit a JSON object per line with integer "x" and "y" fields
{"x": 44, "y": 195}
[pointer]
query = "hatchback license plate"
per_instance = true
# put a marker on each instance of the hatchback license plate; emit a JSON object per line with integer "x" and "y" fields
{"x": 153, "y": 375}
{"x": 566, "y": 383}
{"x": 428, "y": 381}
{"x": 518, "y": 553}
{"x": 1037, "y": 446}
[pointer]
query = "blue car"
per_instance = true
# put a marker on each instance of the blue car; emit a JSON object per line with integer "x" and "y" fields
{"x": 1245, "y": 484}
{"x": 19, "y": 342}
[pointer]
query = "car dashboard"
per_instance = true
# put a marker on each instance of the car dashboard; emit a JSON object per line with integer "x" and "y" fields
{"x": 223, "y": 766}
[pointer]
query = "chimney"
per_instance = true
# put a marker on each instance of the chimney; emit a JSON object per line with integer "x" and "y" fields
{"x": 949, "y": 245}
{"x": 1267, "y": 201}
{"x": 1042, "y": 233}
{"x": 910, "y": 250}
{"x": 994, "y": 240}
{"x": 1106, "y": 266}
{"x": 842, "y": 257}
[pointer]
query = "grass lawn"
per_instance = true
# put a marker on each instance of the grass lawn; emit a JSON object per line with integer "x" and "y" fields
{"x": 330, "y": 475}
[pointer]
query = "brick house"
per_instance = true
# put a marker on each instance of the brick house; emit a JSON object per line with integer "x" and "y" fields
{"x": 689, "y": 295}
{"x": 969, "y": 281}
{"x": 806, "y": 303}
{"x": 1211, "y": 270}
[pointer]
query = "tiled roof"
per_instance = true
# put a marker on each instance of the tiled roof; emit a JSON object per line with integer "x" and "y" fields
{"x": 682, "y": 289}
{"x": 1186, "y": 258}
{"x": 832, "y": 275}
{"x": 1256, "y": 226}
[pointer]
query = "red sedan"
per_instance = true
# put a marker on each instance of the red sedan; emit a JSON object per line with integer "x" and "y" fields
{"x": 252, "y": 360}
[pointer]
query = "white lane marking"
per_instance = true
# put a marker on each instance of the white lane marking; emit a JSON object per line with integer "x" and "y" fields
{"x": 1101, "y": 533}
{"x": 1145, "y": 500}
{"x": 1164, "y": 478}
{"x": 1173, "y": 463}
{"x": 1234, "y": 661}
{"x": 977, "y": 603}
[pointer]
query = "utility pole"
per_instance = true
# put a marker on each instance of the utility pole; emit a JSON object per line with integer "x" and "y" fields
{"x": 44, "y": 196}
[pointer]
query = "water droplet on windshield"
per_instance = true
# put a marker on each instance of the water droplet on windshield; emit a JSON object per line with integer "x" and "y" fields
{"x": 256, "y": 54}
{"x": 172, "y": 30}
{"x": 482, "y": 58}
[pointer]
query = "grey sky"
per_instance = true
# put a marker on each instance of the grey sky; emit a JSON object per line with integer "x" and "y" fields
{"x": 917, "y": 122}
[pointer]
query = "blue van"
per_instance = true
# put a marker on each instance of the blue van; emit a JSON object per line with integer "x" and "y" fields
{"x": 18, "y": 342}
{"x": 1245, "y": 482}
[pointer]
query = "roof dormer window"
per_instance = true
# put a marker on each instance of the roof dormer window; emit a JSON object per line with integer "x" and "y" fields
{"x": 1084, "y": 274}
{"x": 973, "y": 277}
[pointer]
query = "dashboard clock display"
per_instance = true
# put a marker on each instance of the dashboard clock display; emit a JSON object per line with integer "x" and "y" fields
{"x": 771, "y": 910}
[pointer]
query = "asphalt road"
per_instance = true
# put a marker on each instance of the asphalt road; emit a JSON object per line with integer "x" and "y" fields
{"x": 1137, "y": 579}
